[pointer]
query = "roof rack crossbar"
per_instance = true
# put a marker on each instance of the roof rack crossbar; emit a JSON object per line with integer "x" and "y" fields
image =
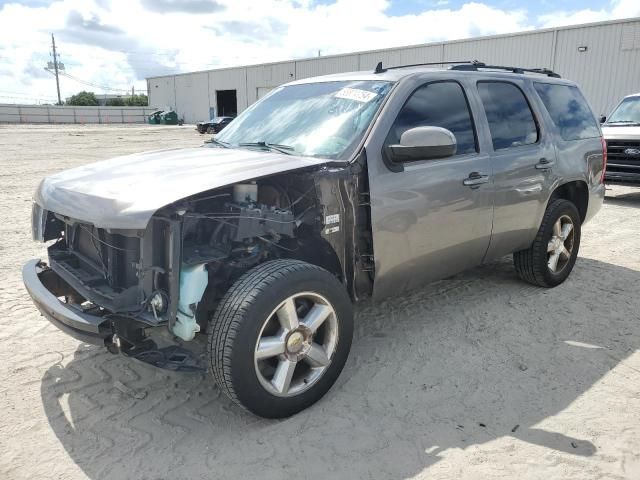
{"x": 380, "y": 69}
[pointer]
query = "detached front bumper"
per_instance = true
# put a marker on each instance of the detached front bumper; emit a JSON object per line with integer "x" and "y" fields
{"x": 44, "y": 286}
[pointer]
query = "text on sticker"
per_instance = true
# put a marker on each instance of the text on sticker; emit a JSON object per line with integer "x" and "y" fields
{"x": 356, "y": 94}
{"x": 329, "y": 219}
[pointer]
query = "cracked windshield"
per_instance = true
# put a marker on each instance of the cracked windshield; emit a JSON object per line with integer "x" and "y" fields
{"x": 324, "y": 120}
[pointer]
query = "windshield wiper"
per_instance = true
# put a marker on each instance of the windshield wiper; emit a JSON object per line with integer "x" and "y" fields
{"x": 276, "y": 147}
{"x": 624, "y": 122}
{"x": 218, "y": 143}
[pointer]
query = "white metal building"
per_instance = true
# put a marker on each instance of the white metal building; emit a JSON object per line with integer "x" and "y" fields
{"x": 604, "y": 58}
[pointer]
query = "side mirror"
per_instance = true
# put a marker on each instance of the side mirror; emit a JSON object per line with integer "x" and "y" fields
{"x": 423, "y": 143}
{"x": 603, "y": 118}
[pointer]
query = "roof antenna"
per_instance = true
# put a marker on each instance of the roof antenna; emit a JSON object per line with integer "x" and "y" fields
{"x": 379, "y": 68}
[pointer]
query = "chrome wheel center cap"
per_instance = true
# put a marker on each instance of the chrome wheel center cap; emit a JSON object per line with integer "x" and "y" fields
{"x": 295, "y": 342}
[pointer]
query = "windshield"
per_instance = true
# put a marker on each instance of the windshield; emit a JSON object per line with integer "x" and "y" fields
{"x": 628, "y": 112}
{"x": 314, "y": 119}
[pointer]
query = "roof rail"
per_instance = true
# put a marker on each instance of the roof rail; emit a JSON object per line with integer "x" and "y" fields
{"x": 471, "y": 66}
{"x": 380, "y": 69}
{"x": 475, "y": 65}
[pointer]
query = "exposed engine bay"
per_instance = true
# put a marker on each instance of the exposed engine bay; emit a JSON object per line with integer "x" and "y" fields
{"x": 176, "y": 271}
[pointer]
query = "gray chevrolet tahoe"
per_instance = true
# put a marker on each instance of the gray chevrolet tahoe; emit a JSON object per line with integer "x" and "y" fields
{"x": 244, "y": 257}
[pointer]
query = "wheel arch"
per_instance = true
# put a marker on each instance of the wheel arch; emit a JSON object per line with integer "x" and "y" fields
{"x": 577, "y": 192}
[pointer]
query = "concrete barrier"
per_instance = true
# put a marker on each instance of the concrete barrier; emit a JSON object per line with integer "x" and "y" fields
{"x": 69, "y": 114}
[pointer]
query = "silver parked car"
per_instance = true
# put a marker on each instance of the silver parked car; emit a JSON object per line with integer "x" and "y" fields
{"x": 244, "y": 256}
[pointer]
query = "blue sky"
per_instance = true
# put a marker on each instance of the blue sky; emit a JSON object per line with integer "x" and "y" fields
{"x": 533, "y": 7}
{"x": 111, "y": 45}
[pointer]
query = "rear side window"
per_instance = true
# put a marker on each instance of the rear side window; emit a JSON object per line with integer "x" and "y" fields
{"x": 569, "y": 111}
{"x": 440, "y": 104}
{"x": 510, "y": 118}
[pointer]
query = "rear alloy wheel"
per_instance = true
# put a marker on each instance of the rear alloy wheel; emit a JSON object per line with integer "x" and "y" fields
{"x": 560, "y": 246}
{"x": 550, "y": 259}
{"x": 280, "y": 337}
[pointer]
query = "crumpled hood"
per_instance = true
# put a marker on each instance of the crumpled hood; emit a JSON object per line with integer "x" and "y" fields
{"x": 125, "y": 192}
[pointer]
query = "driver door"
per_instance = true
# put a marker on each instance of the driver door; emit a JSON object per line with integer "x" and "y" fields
{"x": 430, "y": 218}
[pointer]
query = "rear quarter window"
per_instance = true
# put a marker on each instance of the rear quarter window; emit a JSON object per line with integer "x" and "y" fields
{"x": 569, "y": 111}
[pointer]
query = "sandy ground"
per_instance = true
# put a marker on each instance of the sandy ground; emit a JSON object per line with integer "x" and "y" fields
{"x": 477, "y": 376}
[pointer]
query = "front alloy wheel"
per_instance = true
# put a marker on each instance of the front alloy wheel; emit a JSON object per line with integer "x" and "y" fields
{"x": 296, "y": 344}
{"x": 280, "y": 337}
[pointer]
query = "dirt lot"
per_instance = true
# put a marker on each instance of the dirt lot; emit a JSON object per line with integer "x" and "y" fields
{"x": 477, "y": 376}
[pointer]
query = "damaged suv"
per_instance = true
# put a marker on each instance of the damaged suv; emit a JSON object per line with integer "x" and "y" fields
{"x": 243, "y": 257}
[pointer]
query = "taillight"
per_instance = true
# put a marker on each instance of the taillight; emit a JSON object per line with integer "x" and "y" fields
{"x": 604, "y": 158}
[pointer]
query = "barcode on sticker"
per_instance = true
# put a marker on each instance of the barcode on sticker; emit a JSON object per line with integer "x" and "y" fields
{"x": 329, "y": 219}
{"x": 331, "y": 230}
{"x": 356, "y": 94}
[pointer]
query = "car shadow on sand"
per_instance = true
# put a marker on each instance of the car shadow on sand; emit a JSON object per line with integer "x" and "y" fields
{"x": 457, "y": 364}
{"x": 624, "y": 197}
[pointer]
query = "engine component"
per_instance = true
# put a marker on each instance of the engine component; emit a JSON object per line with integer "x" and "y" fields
{"x": 258, "y": 221}
{"x": 193, "y": 282}
{"x": 158, "y": 303}
{"x": 245, "y": 193}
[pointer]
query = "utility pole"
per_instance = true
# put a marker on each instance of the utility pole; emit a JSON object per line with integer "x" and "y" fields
{"x": 55, "y": 67}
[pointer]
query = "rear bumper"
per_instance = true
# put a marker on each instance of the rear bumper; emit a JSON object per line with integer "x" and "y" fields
{"x": 41, "y": 283}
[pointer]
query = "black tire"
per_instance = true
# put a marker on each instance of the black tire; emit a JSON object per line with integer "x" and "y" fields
{"x": 237, "y": 323}
{"x": 532, "y": 264}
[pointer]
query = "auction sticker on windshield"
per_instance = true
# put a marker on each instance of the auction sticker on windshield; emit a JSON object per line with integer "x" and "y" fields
{"x": 356, "y": 94}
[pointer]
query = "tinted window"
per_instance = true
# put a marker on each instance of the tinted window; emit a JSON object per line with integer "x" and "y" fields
{"x": 441, "y": 104}
{"x": 510, "y": 119}
{"x": 569, "y": 111}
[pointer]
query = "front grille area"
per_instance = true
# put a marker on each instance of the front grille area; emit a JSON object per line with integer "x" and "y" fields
{"x": 623, "y": 163}
{"x": 102, "y": 266}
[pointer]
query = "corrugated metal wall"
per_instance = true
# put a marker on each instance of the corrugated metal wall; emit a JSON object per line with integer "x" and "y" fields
{"x": 607, "y": 70}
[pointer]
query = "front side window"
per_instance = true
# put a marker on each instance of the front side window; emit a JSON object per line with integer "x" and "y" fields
{"x": 439, "y": 104}
{"x": 568, "y": 110}
{"x": 511, "y": 121}
{"x": 627, "y": 113}
{"x": 326, "y": 120}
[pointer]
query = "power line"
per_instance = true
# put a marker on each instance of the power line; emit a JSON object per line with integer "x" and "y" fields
{"x": 91, "y": 84}
{"x": 96, "y": 85}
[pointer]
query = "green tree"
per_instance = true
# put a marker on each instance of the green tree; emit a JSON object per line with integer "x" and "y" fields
{"x": 116, "y": 102}
{"x": 137, "y": 101}
{"x": 83, "y": 99}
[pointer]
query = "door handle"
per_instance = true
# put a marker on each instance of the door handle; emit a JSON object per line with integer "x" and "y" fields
{"x": 545, "y": 164}
{"x": 475, "y": 179}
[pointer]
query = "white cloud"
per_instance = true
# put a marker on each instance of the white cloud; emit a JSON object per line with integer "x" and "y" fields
{"x": 118, "y": 43}
{"x": 614, "y": 10}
